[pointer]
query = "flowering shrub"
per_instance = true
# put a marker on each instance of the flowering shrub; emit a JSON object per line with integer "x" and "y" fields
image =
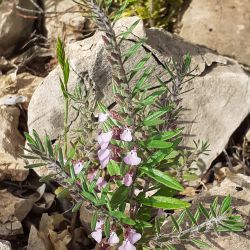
{"x": 133, "y": 177}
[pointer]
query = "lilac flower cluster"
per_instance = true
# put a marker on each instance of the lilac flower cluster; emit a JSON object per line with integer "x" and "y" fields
{"x": 130, "y": 237}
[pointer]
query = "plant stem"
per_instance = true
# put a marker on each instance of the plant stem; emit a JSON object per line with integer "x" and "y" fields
{"x": 66, "y": 118}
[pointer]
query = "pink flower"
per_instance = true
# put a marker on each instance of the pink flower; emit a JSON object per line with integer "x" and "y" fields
{"x": 128, "y": 179}
{"x": 91, "y": 175}
{"x": 133, "y": 236}
{"x": 78, "y": 166}
{"x": 126, "y": 245}
{"x": 126, "y": 135}
{"x": 132, "y": 159}
{"x": 103, "y": 117}
{"x": 101, "y": 183}
{"x": 97, "y": 234}
{"x": 104, "y": 139}
{"x": 113, "y": 239}
{"x": 99, "y": 224}
{"x": 104, "y": 157}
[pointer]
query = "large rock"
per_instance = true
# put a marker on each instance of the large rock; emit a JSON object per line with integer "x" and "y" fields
{"x": 15, "y": 27}
{"x": 12, "y": 212}
{"x": 68, "y": 23}
{"x": 215, "y": 108}
{"x": 220, "y": 25}
{"x": 11, "y": 165}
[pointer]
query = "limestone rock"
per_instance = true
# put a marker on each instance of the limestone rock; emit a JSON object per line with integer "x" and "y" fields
{"x": 216, "y": 106}
{"x": 17, "y": 88}
{"x": 5, "y": 245}
{"x": 14, "y": 28}
{"x": 220, "y": 25}
{"x": 11, "y": 166}
{"x": 12, "y": 211}
{"x": 67, "y": 24}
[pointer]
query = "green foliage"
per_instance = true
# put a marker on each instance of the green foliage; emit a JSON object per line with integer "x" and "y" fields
{"x": 159, "y": 13}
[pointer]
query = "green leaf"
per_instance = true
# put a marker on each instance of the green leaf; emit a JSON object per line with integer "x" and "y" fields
{"x": 133, "y": 50}
{"x": 140, "y": 84}
{"x": 164, "y": 202}
{"x": 162, "y": 178}
{"x": 191, "y": 217}
{"x": 107, "y": 228}
{"x": 89, "y": 196}
{"x": 166, "y": 191}
{"x": 120, "y": 11}
{"x": 60, "y": 52}
{"x": 60, "y": 156}
{"x": 200, "y": 243}
{"x": 180, "y": 219}
{"x": 38, "y": 140}
{"x": 30, "y": 157}
{"x": 71, "y": 154}
{"x": 35, "y": 165}
{"x": 125, "y": 34}
{"x": 30, "y": 139}
{"x": 77, "y": 206}
{"x": 154, "y": 122}
{"x": 49, "y": 146}
{"x": 153, "y": 97}
{"x": 66, "y": 71}
{"x": 139, "y": 66}
{"x": 122, "y": 217}
{"x": 203, "y": 211}
{"x": 93, "y": 221}
{"x": 175, "y": 223}
{"x": 113, "y": 168}
{"x": 158, "y": 144}
{"x": 226, "y": 204}
{"x": 119, "y": 196}
{"x": 157, "y": 114}
{"x": 166, "y": 135}
{"x": 102, "y": 108}
{"x": 140, "y": 224}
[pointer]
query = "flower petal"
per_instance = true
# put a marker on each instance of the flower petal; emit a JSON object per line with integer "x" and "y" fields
{"x": 104, "y": 139}
{"x": 133, "y": 236}
{"x": 78, "y": 166}
{"x": 101, "y": 183}
{"x": 126, "y": 245}
{"x": 132, "y": 159}
{"x": 102, "y": 117}
{"x": 128, "y": 179}
{"x": 97, "y": 235}
{"x": 126, "y": 135}
{"x": 113, "y": 239}
{"x": 104, "y": 157}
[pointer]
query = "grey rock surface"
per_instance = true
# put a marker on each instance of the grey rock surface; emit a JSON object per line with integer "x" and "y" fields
{"x": 14, "y": 27}
{"x": 5, "y": 245}
{"x": 220, "y": 25}
{"x": 68, "y": 24}
{"x": 12, "y": 212}
{"x": 11, "y": 165}
{"x": 218, "y": 103}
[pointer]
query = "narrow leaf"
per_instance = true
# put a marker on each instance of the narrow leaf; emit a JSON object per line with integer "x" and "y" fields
{"x": 162, "y": 178}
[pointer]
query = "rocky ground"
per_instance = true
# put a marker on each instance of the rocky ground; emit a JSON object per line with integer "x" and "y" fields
{"x": 216, "y": 33}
